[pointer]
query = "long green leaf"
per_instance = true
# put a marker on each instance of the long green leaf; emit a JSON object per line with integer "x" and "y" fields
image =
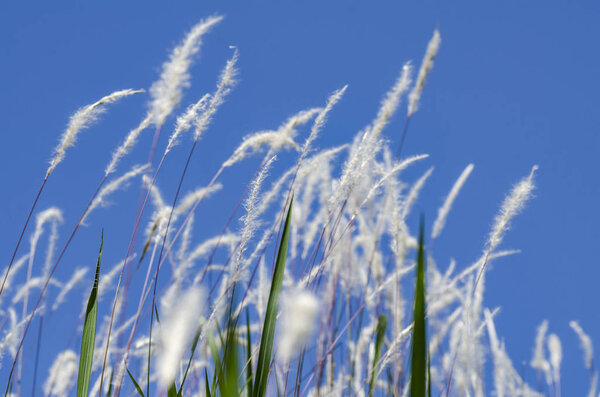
{"x": 137, "y": 386}
{"x": 230, "y": 363}
{"x": 89, "y": 333}
{"x": 110, "y": 384}
{"x": 189, "y": 364}
{"x": 418, "y": 371}
{"x": 206, "y": 386}
{"x": 268, "y": 332}
{"x": 381, "y": 326}
{"x": 172, "y": 392}
{"x": 248, "y": 354}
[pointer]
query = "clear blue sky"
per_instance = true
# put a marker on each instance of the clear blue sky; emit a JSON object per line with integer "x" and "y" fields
{"x": 515, "y": 84}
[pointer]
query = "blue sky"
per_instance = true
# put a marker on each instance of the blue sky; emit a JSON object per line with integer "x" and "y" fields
{"x": 515, "y": 84}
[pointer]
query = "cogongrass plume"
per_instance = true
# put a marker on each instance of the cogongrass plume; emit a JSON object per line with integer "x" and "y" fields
{"x": 426, "y": 66}
{"x": 82, "y": 119}
{"x": 166, "y": 92}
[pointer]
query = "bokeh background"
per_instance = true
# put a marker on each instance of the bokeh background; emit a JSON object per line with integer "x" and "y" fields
{"x": 515, "y": 84}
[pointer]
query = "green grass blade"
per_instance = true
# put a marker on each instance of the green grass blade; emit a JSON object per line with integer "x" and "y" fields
{"x": 230, "y": 362}
{"x": 110, "y": 384}
{"x": 268, "y": 332}
{"x": 214, "y": 351}
{"x": 189, "y": 364}
{"x": 206, "y": 386}
{"x": 172, "y": 392}
{"x": 89, "y": 333}
{"x": 147, "y": 244}
{"x": 381, "y": 326}
{"x": 428, "y": 376}
{"x": 418, "y": 371}
{"x": 137, "y": 386}
{"x": 248, "y": 355}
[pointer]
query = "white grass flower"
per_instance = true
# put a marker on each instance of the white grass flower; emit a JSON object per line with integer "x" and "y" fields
{"x": 36, "y": 282}
{"x": 250, "y": 221}
{"x": 513, "y": 204}
{"x": 83, "y": 118}
{"x": 112, "y": 187}
{"x": 126, "y": 146}
{"x": 440, "y": 221}
{"x": 77, "y": 276}
{"x": 555, "y": 349}
{"x": 178, "y": 328}
{"x": 15, "y": 268}
{"x": 426, "y": 65}
{"x": 593, "y": 385}
{"x": 276, "y": 140}
{"x": 226, "y": 83}
{"x": 321, "y": 119}
{"x": 413, "y": 193}
{"x": 194, "y": 197}
{"x": 52, "y": 214}
{"x": 107, "y": 278}
{"x": 299, "y": 312}
{"x": 586, "y": 344}
{"x": 166, "y": 93}
{"x": 392, "y": 99}
{"x": 61, "y": 377}
{"x": 185, "y": 121}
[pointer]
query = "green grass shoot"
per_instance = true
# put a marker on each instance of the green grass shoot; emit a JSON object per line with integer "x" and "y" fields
{"x": 268, "y": 332}
{"x": 89, "y": 333}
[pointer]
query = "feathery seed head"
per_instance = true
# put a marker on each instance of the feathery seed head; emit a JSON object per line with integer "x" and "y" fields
{"x": 426, "y": 66}
{"x": 512, "y": 206}
{"x": 181, "y": 320}
{"x": 83, "y": 118}
{"x": 299, "y": 311}
{"x": 61, "y": 377}
{"x": 586, "y": 344}
{"x": 166, "y": 93}
{"x": 185, "y": 121}
{"x": 440, "y": 221}
{"x": 226, "y": 82}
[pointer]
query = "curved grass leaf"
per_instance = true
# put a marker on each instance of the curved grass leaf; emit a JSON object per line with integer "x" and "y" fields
{"x": 89, "y": 333}
{"x": 137, "y": 386}
{"x": 189, "y": 364}
{"x": 248, "y": 354}
{"x": 381, "y": 326}
{"x": 268, "y": 332}
{"x": 418, "y": 370}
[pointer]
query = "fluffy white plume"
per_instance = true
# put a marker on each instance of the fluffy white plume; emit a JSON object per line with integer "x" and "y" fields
{"x": 226, "y": 83}
{"x": 250, "y": 221}
{"x": 392, "y": 99}
{"x": 586, "y": 344}
{"x": 555, "y": 349}
{"x": 126, "y": 146}
{"x": 276, "y": 140}
{"x": 112, "y": 187}
{"x": 61, "y": 377}
{"x": 512, "y": 206}
{"x": 181, "y": 319}
{"x": 77, "y": 276}
{"x": 185, "y": 121}
{"x": 83, "y": 118}
{"x": 167, "y": 91}
{"x": 321, "y": 119}
{"x": 426, "y": 66}
{"x": 299, "y": 311}
{"x": 440, "y": 221}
